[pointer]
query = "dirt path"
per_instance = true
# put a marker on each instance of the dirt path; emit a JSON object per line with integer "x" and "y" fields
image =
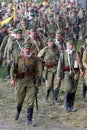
{"x": 49, "y": 117}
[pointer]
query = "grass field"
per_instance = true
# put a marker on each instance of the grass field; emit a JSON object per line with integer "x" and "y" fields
{"x": 49, "y": 117}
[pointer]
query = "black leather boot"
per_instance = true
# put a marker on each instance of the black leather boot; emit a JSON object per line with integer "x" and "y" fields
{"x": 84, "y": 91}
{"x": 47, "y": 95}
{"x": 29, "y": 116}
{"x": 56, "y": 93}
{"x": 18, "y": 112}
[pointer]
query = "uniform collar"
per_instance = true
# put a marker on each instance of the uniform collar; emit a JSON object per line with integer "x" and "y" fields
{"x": 70, "y": 51}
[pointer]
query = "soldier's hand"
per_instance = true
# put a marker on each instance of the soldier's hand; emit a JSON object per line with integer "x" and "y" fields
{"x": 59, "y": 78}
{"x": 82, "y": 74}
{"x": 36, "y": 85}
{"x": 8, "y": 61}
{"x": 13, "y": 82}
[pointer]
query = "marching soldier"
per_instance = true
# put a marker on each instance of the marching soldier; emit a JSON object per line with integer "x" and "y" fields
{"x": 69, "y": 66}
{"x": 37, "y": 39}
{"x": 25, "y": 77}
{"x": 51, "y": 29}
{"x": 84, "y": 59}
{"x": 3, "y": 34}
{"x": 74, "y": 20}
{"x": 59, "y": 41}
{"x": 60, "y": 46}
{"x": 49, "y": 55}
{"x": 14, "y": 46}
{"x": 85, "y": 66}
{"x": 3, "y": 48}
{"x": 83, "y": 20}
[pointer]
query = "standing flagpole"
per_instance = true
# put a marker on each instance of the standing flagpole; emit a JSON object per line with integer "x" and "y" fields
{"x": 15, "y": 13}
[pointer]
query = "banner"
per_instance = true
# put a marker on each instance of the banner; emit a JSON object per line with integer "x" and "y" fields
{"x": 6, "y": 21}
{"x": 15, "y": 13}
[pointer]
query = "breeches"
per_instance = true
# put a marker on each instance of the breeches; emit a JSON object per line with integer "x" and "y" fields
{"x": 25, "y": 89}
{"x": 52, "y": 82}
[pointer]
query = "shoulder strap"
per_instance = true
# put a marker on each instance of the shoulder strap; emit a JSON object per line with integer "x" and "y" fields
{"x": 18, "y": 44}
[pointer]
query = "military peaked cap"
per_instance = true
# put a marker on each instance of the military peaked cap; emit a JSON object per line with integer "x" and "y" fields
{"x": 50, "y": 39}
{"x": 70, "y": 40}
{"x": 27, "y": 45}
{"x": 59, "y": 32}
{"x": 18, "y": 31}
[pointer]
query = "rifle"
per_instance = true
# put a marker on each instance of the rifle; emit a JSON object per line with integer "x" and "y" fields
{"x": 18, "y": 44}
{"x": 36, "y": 91}
{"x": 79, "y": 62}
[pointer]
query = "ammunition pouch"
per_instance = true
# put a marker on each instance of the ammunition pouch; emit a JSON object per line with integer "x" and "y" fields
{"x": 66, "y": 68}
{"x": 23, "y": 75}
{"x": 73, "y": 73}
{"x": 50, "y": 65}
{"x": 76, "y": 76}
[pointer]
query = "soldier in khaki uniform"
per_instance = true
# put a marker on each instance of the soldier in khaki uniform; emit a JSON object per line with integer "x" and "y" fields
{"x": 51, "y": 29}
{"x": 60, "y": 46}
{"x": 14, "y": 46}
{"x": 84, "y": 60}
{"x": 49, "y": 56}
{"x": 85, "y": 66}
{"x": 59, "y": 41}
{"x": 38, "y": 38}
{"x": 25, "y": 76}
{"x": 69, "y": 66}
{"x": 3, "y": 49}
{"x": 3, "y": 34}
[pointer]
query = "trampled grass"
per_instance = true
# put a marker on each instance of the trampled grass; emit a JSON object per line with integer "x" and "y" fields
{"x": 49, "y": 116}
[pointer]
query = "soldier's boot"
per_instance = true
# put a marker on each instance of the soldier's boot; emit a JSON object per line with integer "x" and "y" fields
{"x": 18, "y": 112}
{"x": 8, "y": 72}
{"x": 84, "y": 91}
{"x": 56, "y": 93}
{"x": 29, "y": 116}
{"x": 47, "y": 95}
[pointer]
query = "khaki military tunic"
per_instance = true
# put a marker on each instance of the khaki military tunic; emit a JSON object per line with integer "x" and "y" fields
{"x": 13, "y": 48}
{"x": 60, "y": 45}
{"x": 25, "y": 72}
{"x": 84, "y": 61}
{"x": 51, "y": 30}
{"x": 67, "y": 72}
{"x": 82, "y": 49}
{"x": 4, "y": 42}
{"x": 49, "y": 56}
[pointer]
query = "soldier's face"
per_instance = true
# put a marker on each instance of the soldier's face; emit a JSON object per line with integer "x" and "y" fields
{"x": 19, "y": 36}
{"x": 69, "y": 46}
{"x": 26, "y": 51}
{"x": 58, "y": 36}
{"x": 33, "y": 34}
{"x": 50, "y": 43}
